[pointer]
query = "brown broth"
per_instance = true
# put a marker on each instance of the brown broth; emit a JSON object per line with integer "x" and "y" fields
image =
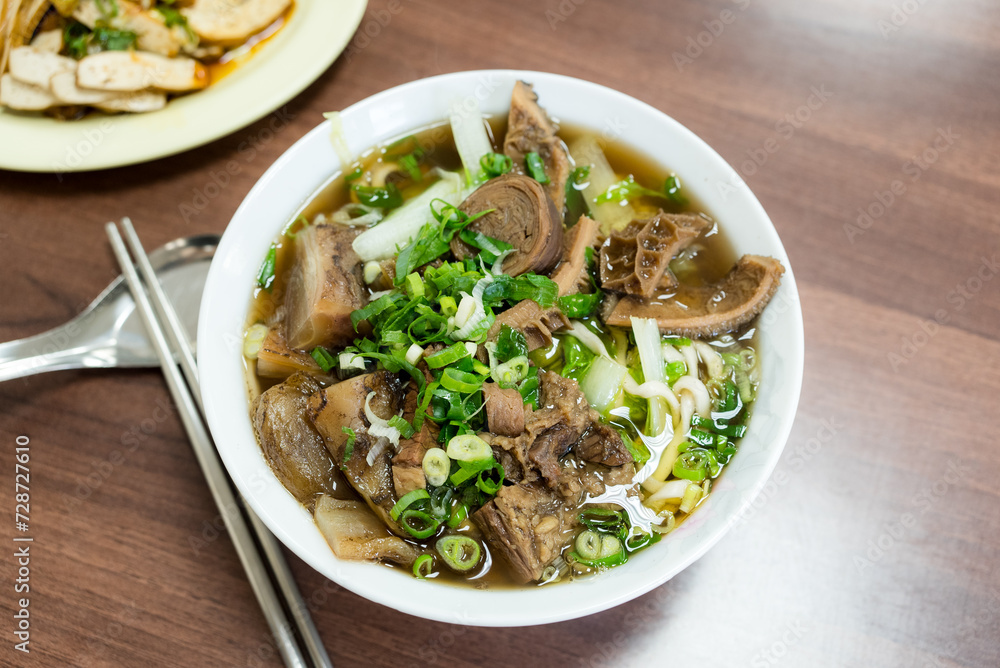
{"x": 712, "y": 262}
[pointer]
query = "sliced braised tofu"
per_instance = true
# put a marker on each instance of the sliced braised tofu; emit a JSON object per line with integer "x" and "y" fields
{"x": 136, "y": 103}
{"x": 152, "y": 33}
{"x": 134, "y": 70}
{"x": 63, "y": 86}
{"x": 24, "y": 97}
{"x": 33, "y": 66}
{"x": 231, "y": 22}
{"x": 50, "y": 41}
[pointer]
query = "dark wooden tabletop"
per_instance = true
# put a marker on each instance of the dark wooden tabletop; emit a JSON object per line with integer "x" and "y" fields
{"x": 870, "y": 131}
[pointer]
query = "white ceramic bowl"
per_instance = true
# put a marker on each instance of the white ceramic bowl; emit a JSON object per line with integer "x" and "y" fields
{"x": 307, "y": 165}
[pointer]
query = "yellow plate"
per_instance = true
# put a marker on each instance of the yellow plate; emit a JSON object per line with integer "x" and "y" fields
{"x": 317, "y": 32}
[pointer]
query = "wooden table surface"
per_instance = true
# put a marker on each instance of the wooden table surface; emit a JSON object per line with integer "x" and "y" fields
{"x": 871, "y": 136}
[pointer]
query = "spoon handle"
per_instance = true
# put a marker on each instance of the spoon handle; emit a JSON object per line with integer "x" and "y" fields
{"x": 53, "y": 350}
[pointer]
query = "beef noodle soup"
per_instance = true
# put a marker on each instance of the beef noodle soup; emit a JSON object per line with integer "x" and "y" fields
{"x": 502, "y": 353}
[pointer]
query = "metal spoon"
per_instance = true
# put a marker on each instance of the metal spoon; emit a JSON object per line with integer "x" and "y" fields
{"x": 109, "y": 333}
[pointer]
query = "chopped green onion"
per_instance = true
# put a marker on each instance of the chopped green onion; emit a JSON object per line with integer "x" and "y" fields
{"x": 436, "y": 465}
{"x": 694, "y": 464}
{"x": 410, "y": 163}
{"x": 349, "y": 446}
{"x": 408, "y": 500}
{"x": 323, "y": 358}
{"x": 672, "y": 189}
{"x": 371, "y": 310}
{"x": 265, "y": 276}
{"x": 418, "y": 523}
{"x": 512, "y": 372}
{"x": 253, "y": 339}
{"x": 414, "y": 286}
{"x": 457, "y": 380}
{"x": 692, "y": 495}
{"x": 447, "y": 356}
{"x": 536, "y": 168}
{"x": 461, "y": 553}
{"x": 405, "y": 428}
{"x": 496, "y": 164}
{"x": 468, "y": 448}
{"x": 423, "y": 566}
{"x": 354, "y": 175}
{"x": 489, "y": 481}
{"x": 448, "y": 305}
{"x": 459, "y": 512}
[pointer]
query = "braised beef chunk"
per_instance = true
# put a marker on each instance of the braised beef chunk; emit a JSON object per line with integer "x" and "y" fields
{"x": 521, "y": 214}
{"x": 564, "y": 421}
{"x": 571, "y": 272}
{"x": 407, "y": 465}
{"x": 602, "y": 445}
{"x": 343, "y": 405}
{"x": 294, "y": 450}
{"x": 325, "y": 285}
{"x": 528, "y": 526}
{"x": 529, "y": 130}
{"x": 276, "y": 360}
{"x": 635, "y": 260}
{"x": 504, "y": 410}
{"x": 709, "y": 310}
{"x": 536, "y": 323}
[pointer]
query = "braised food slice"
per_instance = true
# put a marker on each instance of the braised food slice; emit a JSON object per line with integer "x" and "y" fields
{"x": 529, "y": 130}
{"x": 293, "y": 448}
{"x": 343, "y": 405}
{"x": 325, "y": 285}
{"x": 528, "y": 526}
{"x": 708, "y": 310}
{"x": 635, "y": 260}
{"x": 354, "y": 532}
{"x": 523, "y": 216}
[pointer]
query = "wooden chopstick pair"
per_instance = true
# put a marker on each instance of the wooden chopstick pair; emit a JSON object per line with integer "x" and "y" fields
{"x": 265, "y": 565}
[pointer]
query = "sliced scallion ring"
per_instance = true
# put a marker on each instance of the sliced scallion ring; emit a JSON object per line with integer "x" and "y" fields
{"x": 418, "y": 523}
{"x": 460, "y": 553}
{"x": 423, "y": 566}
{"x": 406, "y": 501}
{"x": 437, "y": 466}
{"x": 468, "y": 448}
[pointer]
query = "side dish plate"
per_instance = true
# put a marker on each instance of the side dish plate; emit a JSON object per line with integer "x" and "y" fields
{"x": 316, "y": 33}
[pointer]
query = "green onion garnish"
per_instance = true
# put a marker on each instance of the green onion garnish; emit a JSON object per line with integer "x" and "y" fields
{"x": 407, "y": 500}
{"x": 447, "y": 356}
{"x": 495, "y": 164}
{"x": 349, "y": 446}
{"x": 423, "y": 566}
{"x": 323, "y": 357}
{"x": 388, "y": 197}
{"x": 265, "y": 276}
{"x": 460, "y": 553}
{"x": 536, "y": 168}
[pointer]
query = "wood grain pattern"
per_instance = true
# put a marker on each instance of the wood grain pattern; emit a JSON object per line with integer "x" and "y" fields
{"x": 876, "y": 541}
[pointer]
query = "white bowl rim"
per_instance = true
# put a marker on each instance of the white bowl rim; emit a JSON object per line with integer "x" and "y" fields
{"x": 466, "y": 605}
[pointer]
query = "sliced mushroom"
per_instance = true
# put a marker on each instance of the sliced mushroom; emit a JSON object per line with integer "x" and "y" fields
{"x": 573, "y": 266}
{"x": 231, "y": 22}
{"x": 50, "y": 41}
{"x": 635, "y": 260}
{"x": 325, "y": 286}
{"x": 151, "y": 32}
{"x": 24, "y": 97}
{"x": 708, "y": 310}
{"x": 33, "y": 66}
{"x": 523, "y": 216}
{"x": 134, "y": 71}
{"x": 529, "y": 130}
{"x": 137, "y": 103}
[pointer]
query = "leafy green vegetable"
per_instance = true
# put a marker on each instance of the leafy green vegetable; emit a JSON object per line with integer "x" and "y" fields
{"x": 386, "y": 198}
{"x": 577, "y": 358}
{"x": 510, "y": 344}
{"x": 323, "y": 357}
{"x": 576, "y": 203}
{"x": 80, "y": 41}
{"x": 349, "y": 446}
